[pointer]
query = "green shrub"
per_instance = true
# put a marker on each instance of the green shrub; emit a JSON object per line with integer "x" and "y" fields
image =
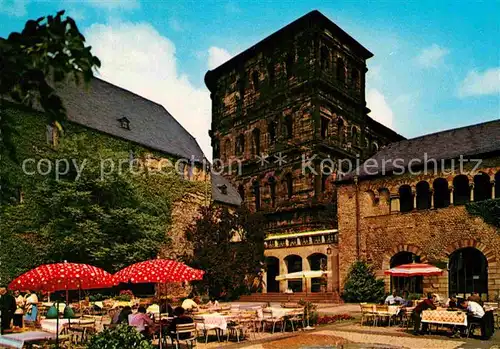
{"x": 121, "y": 337}
{"x": 361, "y": 284}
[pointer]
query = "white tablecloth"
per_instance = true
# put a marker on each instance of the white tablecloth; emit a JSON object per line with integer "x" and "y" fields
{"x": 50, "y": 325}
{"x": 17, "y": 340}
{"x": 211, "y": 321}
{"x": 280, "y": 312}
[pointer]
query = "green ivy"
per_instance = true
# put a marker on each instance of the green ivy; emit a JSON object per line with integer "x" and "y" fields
{"x": 121, "y": 337}
{"x": 489, "y": 210}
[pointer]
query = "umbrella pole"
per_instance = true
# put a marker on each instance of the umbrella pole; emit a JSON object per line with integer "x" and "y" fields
{"x": 57, "y": 325}
{"x": 159, "y": 315}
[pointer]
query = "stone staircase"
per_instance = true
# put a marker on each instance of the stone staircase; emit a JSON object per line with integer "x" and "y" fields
{"x": 272, "y": 297}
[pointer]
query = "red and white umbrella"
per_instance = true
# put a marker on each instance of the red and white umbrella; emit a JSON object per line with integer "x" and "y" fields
{"x": 63, "y": 276}
{"x": 158, "y": 271}
{"x": 414, "y": 269}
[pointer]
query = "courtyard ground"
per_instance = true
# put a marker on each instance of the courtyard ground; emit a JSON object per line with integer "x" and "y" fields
{"x": 350, "y": 334}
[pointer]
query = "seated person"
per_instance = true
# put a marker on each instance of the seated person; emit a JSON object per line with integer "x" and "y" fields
{"x": 474, "y": 297}
{"x": 179, "y": 319}
{"x": 123, "y": 315}
{"x": 452, "y": 302}
{"x": 166, "y": 308}
{"x": 189, "y": 304}
{"x": 393, "y": 299}
{"x": 213, "y": 303}
{"x": 428, "y": 303}
{"x": 475, "y": 313}
{"x": 141, "y": 321}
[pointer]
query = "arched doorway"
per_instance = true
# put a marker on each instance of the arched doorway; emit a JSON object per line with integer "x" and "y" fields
{"x": 317, "y": 261}
{"x": 410, "y": 284}
{"x": 293, "y": 265}
{"x": 273, "y": 270}
{"x": 468, "y": 272}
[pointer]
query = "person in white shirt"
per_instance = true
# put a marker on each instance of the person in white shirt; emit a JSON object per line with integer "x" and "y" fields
{"x": 394, "y": 299}
{"x": 31, "y": 300}
{"x": 475, "y": 313}
{"x": 189, "y": 304}
{"x": 18, "y": 314}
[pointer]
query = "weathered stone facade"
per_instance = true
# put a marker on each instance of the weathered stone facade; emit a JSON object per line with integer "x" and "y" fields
{"x": 297, "y": 94}
{"x": 385, "y": 220}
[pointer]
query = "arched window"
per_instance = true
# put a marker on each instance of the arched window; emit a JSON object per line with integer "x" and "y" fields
{"x": 325, "y": 122}
{"x": 255, "y": 80}
{"x": 341, "y": 130}
{"x": 241, "y": 191}
{"x": 340, "y": 70}
{"x": 461, "y": 190}
{"x": 240, "y": 144}
{"x": 411, "y": 284}
{"x": 272, "y": 189}
{"x": 289, "y": 184}
{"x": 216, "y": 148}
{"x": 271, "y": 129}
{"x": 324, "y": 180}
{"x": 354, "y": 135}
{"x": 324, "y": 58}
{"x": 256, "y": 193}
{"x": 317, "y": 261}
{"x": 290, "y": 62}
{"x": 271, "y": 73}
{"x": 227, "y": 149}
{"x": 405, "y": 198}
{"x": 256, "y": 141}
{"x": 497, "y": 185}
{"x": 355, "y": 79}
{"x": 441, "y": 193}
{"x": 289, "y": 126}
{"x": 423, "y": 195}
{"x": 482, "y": 187}
{"x": 293, "y": 265}
{"x": 273, "y": 270}
{"x": 241, "y": 88}
{"x": 468, "y": 272}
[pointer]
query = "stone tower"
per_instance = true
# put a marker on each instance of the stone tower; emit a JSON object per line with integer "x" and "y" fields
{"x": 297, "y": 93}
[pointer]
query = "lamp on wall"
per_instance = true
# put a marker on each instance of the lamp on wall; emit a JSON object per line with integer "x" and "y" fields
{"x": 329, "y": 250}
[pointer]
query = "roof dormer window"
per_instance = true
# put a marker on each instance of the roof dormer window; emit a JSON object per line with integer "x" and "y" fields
{"x": 223, "y": 189}
{"x": 124, "y": 123}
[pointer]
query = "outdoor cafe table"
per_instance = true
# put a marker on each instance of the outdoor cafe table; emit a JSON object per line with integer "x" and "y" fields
{"x": 214, "y": 320}
{"x": 18, "y": 340}
{"x": 445, "y": 317}
{"x": 49, "y": 325}
{"x": 281, "y": 312}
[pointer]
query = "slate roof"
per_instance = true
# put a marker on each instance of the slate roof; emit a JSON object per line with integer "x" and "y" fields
{"x": 231, "y": 197}
{"x": 474, "y": 140}
{"x": 101, "y": 105}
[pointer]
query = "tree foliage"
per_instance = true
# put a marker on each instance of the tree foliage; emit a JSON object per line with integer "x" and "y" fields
{"x": 48, "y": 50}
{"x": 109, "y": 221}
{"x": 121, "y": 337}
{"x": 361, "y": 284}
{"x": 229, "y": 247}
{"x": 489, "y": 210}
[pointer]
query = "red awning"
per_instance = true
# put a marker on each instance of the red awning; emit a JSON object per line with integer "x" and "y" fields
{"x": 414, "y": 269}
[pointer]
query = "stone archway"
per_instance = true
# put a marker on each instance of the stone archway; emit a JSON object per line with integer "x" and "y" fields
{"x": 488, "y": 254}
{"x": 386, "y": 261}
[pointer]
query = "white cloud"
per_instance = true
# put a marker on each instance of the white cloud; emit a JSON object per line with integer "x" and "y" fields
{"x": 480, "y": 83}
{"x": 380, "y": 109}
{"x": 78, "y": 14}
{"x": 217, "y": 56}
{"x": 15, "y": 8}
{"x": 432, "y": 56}
{"x": 113, "y": 4}
{"x": 136, "y": 57}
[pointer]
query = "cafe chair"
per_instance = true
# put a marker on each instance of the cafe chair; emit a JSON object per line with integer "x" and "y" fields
{"x": 269, "y": 318}
{"x": 367, "y": 313}
{"x": 181, "y": 329}
{"x": 199, "y": 322}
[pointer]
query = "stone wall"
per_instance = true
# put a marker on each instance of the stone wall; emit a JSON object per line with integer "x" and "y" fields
{"x": 433, "y": 234}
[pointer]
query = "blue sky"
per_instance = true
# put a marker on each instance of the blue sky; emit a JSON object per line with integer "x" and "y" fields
{"x": 436, "y": 63}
